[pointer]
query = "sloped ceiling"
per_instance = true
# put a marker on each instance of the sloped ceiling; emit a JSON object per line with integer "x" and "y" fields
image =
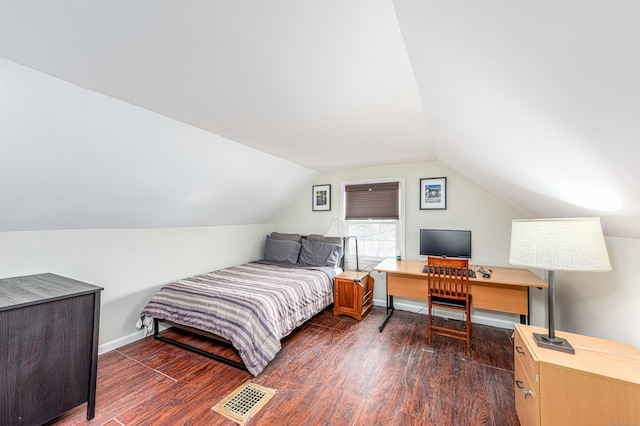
{"x": 536, "y": 102}
{"x": 73, "y": 159}
{"x": 324, "y": 84}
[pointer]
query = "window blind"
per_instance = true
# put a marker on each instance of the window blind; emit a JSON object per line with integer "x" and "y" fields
{"x": 372, "y": 201}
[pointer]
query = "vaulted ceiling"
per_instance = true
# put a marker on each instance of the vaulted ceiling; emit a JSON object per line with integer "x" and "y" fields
{"x": 536, "y": 102}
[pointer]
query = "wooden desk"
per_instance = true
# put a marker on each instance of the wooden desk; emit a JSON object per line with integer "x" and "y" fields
{"x": 506, "y": 291}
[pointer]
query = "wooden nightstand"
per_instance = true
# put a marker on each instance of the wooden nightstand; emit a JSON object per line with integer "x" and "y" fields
{"x": 353, "y": 294}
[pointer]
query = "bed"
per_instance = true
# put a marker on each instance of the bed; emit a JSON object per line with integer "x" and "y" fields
{"x": 254, "y": 305}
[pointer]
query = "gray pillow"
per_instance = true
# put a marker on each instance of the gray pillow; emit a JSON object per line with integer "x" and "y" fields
{"x": 281, "y": 250}
{"x": 315, "y": 253}
{"x": 323, "y": 239}
{"x": 290, "y": 237}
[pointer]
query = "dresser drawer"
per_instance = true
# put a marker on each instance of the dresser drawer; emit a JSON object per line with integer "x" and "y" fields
{"x": 522, "y": 353}
{"x": 526, "y": 395}
{"x": 526, "y": 387}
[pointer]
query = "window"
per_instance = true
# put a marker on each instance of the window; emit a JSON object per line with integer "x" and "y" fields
{"x": 372, "y": 211}
{"x": 375, "y": 239}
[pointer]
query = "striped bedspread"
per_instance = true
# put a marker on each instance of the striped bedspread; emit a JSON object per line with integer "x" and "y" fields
{"x": 253, "y": 305}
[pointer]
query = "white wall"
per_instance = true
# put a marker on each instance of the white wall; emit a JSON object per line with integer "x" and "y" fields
{"x": 131, "y": 264}
{"x": 74, "y": 159}
{"x": 468, "y": 207}
{"x": 606, "y": 304}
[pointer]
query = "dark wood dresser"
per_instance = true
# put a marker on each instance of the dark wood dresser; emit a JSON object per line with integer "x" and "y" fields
{"x": 48, "y": 347}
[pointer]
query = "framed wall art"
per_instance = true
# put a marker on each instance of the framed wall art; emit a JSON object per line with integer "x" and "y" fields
{"x": 321, "y": 198}
{"x": 433, "y": 193}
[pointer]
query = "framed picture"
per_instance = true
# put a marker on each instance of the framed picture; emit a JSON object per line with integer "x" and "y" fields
{"x": 433, "y": 193}
{"x": 321, "y": 198}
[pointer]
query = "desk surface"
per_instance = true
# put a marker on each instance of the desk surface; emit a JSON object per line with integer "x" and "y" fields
{"x": 500, "y": 275}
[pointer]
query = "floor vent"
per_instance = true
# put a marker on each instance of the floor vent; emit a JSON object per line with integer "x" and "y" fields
{"x": 244, "y": 402}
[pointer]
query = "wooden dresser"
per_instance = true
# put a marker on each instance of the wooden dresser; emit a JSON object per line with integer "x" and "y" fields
{"x": 353, "y": 294}
{"x": 48, "y": 347}
{"x": 599, "y": 385}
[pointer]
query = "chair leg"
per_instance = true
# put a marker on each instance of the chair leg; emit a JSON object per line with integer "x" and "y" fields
{"x": 468, "y": 315}
{"x": 466, "y": 325}
{"x": 429, "y": 318}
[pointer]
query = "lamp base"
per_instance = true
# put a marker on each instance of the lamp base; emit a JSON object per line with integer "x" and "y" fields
{"x": 556, "y": 343}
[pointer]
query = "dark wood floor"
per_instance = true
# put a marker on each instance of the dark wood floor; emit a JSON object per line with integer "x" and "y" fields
{"x": 332, "y": 371}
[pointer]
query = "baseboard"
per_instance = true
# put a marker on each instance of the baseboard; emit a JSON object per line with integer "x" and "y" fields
{"x": 115, "y": 344}
{"x": 476, "y": 317}
{"x": 125, "y": 340}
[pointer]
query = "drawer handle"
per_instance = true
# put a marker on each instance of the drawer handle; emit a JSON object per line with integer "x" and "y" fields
{"x": 526, "y": 392}
{"x": 519, "y": 350}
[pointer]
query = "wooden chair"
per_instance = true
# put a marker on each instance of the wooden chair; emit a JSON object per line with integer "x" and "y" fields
{"x": 449, "y": 288}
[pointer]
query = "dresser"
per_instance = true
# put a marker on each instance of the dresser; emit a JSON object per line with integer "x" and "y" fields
{"x": 353, "y": 294}
{"x": 48, "y": 347}
{"x": 599, "y": 385}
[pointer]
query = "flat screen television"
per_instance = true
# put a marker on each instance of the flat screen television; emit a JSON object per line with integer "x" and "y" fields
{"x": 445, "y": 243}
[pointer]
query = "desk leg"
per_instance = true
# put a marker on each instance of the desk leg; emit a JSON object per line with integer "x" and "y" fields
{"x": 389, "y": 312}
{"x": 526, "y": 319}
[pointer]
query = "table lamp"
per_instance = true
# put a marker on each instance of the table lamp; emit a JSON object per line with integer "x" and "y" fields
{"x": 571, "y": 244}
{"x": 337, "y": 228}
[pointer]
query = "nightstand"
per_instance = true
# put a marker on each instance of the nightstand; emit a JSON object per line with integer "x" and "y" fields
{"x": 353, "y": 294}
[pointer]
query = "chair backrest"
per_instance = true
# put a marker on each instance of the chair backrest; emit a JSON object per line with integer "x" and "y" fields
{"x": 448, "y": 277}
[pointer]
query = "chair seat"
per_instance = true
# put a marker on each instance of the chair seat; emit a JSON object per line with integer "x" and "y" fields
{"x": 454, "y": 303}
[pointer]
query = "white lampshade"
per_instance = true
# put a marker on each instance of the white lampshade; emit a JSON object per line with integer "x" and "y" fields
{"x": 337, "y": 228}
{"x": 571, "y": 244}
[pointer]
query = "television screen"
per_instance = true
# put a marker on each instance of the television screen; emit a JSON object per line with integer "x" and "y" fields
{"x": 445, "y": 243}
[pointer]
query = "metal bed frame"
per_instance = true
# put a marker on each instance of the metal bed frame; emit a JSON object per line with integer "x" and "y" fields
{"x": 208, "y": 336}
